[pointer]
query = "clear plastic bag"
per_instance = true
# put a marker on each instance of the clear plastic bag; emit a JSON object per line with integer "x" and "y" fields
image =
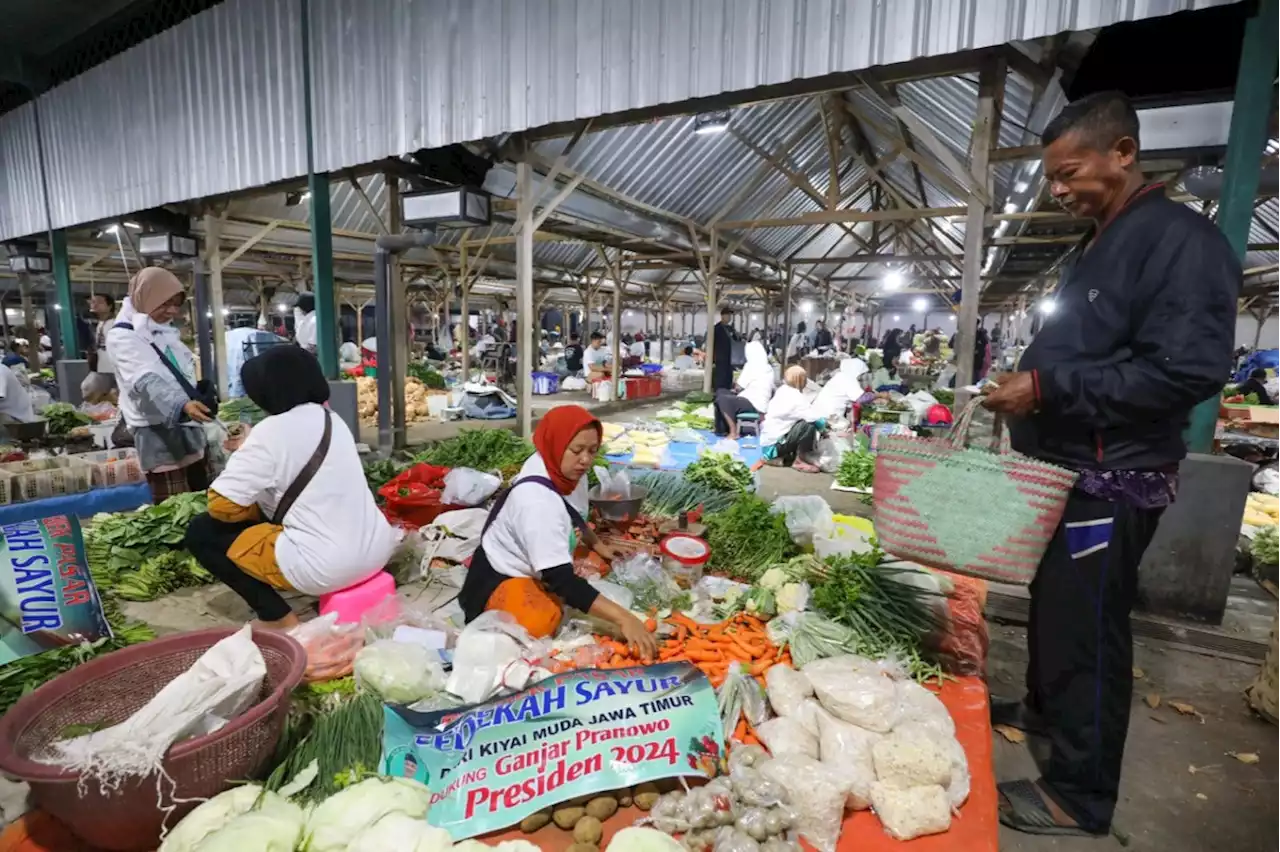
{"x": 487, "y": 651}
{"x": 913, "y": 812}
{"x": 828, "y": 452}
{"x": 331, "y": 647}
{"x": 958, "y": 782}
{"x": 386, "y": 618}
{"x": 817, "y": 793}
{"x": 787, "y": 736}
{"x": 787, "y": 689}
{"x": 807, "y": 515}
{"x": 740, "y": 695}
{"x": 399, "y": 672}
{"x": 848, "y": 748}
{"x": 864, "y": 698}
{"x": 912, "y": 756}
{"x": 613, "y": 485}
{"x": 642, "y": 574}
{"x": 466, "y": 487}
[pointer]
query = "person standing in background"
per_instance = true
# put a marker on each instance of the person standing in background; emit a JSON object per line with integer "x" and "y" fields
{"x": 102, "y": 374}
{"x": 304, "y": 321}
{"x": 821, "y": 336}
{"x": 1143, "y": 331}
{"x": 722, "y": 364}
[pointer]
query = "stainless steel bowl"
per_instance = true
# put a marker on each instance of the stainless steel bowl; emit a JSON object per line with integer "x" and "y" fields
{"x": 618, "y": 511}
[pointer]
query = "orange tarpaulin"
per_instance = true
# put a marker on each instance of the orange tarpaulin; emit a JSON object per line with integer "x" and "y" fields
{"x": 976, "y": 829}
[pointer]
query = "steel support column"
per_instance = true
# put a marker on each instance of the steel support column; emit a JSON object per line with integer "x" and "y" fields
{"x": 320, "y": 221}
{"x": 525, "y": 340}
{"x": 62, "y": 285}
{"x": 399, "y": 313}
{"x": 204, "y": 340}
{"x": 786, "y": 313}
{"x": 213, "y": 256}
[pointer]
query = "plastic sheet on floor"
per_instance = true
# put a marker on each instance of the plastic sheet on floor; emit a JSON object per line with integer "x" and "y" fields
{"x": 678, "y": 456}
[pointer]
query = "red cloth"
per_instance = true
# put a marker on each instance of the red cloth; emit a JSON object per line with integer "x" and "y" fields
{"x": 557, "y": 428}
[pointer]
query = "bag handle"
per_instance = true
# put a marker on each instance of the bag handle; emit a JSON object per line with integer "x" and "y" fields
{"x": 964, "y": 425}
{"x": 307, "y": 473}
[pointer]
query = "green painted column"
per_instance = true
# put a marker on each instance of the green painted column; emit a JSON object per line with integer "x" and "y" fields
{"x": 62, "y": 287}
{"x": 1248, "y": 138}
{"x": 322, "y": 275}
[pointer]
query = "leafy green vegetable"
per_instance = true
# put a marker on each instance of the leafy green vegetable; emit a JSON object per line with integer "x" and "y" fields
{"x": 379, "y": 473}
{"x": 481, "y": 449}
{"x": 135, "y": 554}
{"x": 345, "y": 738}
{"x": 857, "y": 468}
{"x": 240, "y": 410}
{"x": 63, "y": 417}
{"x": 863, "y": 593}
{"x": 746, "y": 538}
{"x": 1265, "y": 547}
{"x": 720, "y": 471}
{"x": 946, "y": 396}
{"x": 430, "y": 378}
{"x": 1249, "y": 399}
{"x": 699, "y": 398}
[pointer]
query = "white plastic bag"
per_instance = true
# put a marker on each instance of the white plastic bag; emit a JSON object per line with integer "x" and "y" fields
{"x": 917, "y": 704}
{"x": 399, "y": 672}
{"x": 331, "y": 647}
{"x": 862, "y": 698}
{"x": 223, "y": 683}
{"x": 652, "y": 587}
{"x": 783, "y": 735}
{"x": 816, "y": 792}
{"x": 826, "y": 456}
{"x": 457, "y": 534}
{"x": 787, "y": 689}
{"x": 913, "y": 812}
{"x": 613, "y": 485}
{"x": 807, "y": 515}
{"x": 488, "y": 650}
{"x": 466, "y": 487}
{"x": 847, "y": 749}
{"x": 912, "y": 756}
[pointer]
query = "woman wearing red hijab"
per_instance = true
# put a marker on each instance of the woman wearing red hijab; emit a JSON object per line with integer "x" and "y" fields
{"x": 524, "y": 564}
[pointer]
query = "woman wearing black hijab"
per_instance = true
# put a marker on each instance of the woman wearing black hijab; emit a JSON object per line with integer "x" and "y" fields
{"x": 290, "y": 512}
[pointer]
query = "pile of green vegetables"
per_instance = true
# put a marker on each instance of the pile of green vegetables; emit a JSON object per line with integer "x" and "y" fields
{"x": 670, "y": 493}
{"x": 857, "y": 468}
{"x": 722, "y": 472}
{"x": 746, "y": 539}
{"x": 63, "y": 417}
{"x": 699, "y": 398}
{"x": 430, "y": 378}
{"x": 137, "y": 555}
{"x": 480, "y": 449}
{"x": 685, "y": 413}
{"x": 339, "y": 727}
{"x": 378, "y": 473}
{"x": 945, "y": 396}
{"x": 1265, "y": 547}
{"x": 240, "y": 410}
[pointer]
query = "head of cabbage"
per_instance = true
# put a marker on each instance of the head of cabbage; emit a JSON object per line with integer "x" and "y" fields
{"x": 339, "y": 820}
{"x": 240, "y": 812}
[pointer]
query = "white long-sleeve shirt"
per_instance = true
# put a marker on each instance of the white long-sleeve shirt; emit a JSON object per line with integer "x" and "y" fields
{"x": 304, "y": 328}
{"x": 787, "y": 408}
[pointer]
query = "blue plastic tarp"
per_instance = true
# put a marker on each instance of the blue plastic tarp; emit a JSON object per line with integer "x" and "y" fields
{"x": 121, "y": 498}
{"x": 678, "y": 456}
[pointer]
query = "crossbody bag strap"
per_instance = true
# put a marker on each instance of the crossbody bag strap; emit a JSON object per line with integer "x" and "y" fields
{"x": 307, "y": 473}
{"x": 187, "y": 387}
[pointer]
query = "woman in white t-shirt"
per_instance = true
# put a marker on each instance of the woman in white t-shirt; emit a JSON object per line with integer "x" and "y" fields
{"x": 262, "y": 535}
{"x": 524, "y": 565}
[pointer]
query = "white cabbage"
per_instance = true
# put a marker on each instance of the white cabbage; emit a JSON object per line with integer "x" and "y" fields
{"x": 344, "y": 816}
{"x": 402, "y": 833}
{"x": 643, "y": 840}
{"x": 211, "y": 816}
{"x": 275, "y": 827}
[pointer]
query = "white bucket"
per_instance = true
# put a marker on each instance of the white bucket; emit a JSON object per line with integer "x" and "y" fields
{"x": 436, "y": 404}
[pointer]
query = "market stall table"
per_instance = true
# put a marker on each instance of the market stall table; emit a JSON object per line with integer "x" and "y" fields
{"x": 815, "y": 366}
{"x": 976, "y": 829}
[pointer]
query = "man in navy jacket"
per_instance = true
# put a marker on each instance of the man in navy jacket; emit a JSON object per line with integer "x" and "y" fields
{"x": 1142, "y": 331}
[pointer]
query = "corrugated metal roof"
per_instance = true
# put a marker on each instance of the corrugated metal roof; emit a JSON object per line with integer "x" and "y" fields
{"x": 21, "y": 196}
{"x": 212, "y": 105}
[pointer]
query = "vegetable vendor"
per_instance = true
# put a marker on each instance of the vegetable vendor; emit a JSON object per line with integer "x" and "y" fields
{"x": 755, "y": 387}
{"x": 524, "y": 564}
{"x": 156, "y": 374}
{"x": 290, "y": 511}
{"x": 1257, "y": 384}
{"x": 843, "y": 390}
{"x": 791, "y": 424}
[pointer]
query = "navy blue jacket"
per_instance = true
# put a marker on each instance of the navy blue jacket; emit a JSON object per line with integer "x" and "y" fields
{"x": 1143, "y": 331}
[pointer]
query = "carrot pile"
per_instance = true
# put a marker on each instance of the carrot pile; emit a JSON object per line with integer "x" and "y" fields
{"x": 712, "y": 648}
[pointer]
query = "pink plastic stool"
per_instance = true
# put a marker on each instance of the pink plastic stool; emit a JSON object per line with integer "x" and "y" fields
{"x": 353, "y": 602}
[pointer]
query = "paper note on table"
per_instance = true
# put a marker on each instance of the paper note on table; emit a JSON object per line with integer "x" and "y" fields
{"x": 432, "y": 640}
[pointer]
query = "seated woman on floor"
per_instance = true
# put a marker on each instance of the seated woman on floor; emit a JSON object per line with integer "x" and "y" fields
{"x": 524, "y": 564}
{"x": 290, "y": 511}
{"x": 755, "y": 386}
{"x": 843, "y": 390}
{"x": 791, "y": 424}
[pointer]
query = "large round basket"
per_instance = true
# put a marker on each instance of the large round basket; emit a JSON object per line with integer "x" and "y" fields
{"x": 111, "y": 688}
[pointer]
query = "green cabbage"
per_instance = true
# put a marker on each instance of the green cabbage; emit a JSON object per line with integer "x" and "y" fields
{"x": 403, "y": 833}
{"x": 218, "y": 812}
{"x": 339, "y": 820}
{"x": 399, "y": 672}
{"x": 275, "y": 827}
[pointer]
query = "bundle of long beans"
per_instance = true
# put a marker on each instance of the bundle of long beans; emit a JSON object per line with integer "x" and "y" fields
{"x": 864, "y": 593}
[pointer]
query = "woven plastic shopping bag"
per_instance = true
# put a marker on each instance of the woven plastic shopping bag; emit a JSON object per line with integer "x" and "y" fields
{"x": 984, "y": 512}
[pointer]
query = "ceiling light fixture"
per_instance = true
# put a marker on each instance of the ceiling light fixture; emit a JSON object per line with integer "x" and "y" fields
{"x": 711, "y": 122}
{"x": 896, "y": 317}
{"x": 892, "y": 280}
{"x": 1010, "y": 207}
{"x": 806, "y": 306}
{"x": 920, "y": 305}
{"x": 1047, "y": 306}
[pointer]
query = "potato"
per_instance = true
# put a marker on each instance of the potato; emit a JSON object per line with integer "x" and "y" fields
{"x": 644, "y": 801}
{"x": 588, "y": 830}
{"x": 602, "y": 807}
{"x": 583, "y": 847}
{"x": 567, "y": 817}
{"x": 533, "y": 822}
{"x": 624, "y": 800}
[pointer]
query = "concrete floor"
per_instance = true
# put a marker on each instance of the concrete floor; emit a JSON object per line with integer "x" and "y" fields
{"x": 1182, "y": 791}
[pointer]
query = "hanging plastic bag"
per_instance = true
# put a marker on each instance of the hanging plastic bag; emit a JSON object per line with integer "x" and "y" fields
{"x": 466, "y": 487}
{"x": 807, "y": 516}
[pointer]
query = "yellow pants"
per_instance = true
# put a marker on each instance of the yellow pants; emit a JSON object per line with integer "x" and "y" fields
{"x": 254, "y": 550}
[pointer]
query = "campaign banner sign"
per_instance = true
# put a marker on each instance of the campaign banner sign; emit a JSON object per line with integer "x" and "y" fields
{"x": 490, "y": 765}
{"x": 47, "y": 598}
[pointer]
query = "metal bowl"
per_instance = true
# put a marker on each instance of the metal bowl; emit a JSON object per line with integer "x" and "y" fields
{"x": 33, "y": 431}
{"x": 618, "y": 511}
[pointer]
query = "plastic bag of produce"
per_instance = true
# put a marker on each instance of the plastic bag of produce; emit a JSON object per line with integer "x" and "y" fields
{"x": 613, "y": 486}
{"x": 911, "y": 812}
{"x": 485, "y": 656}
{"x": 466, "y": 487}
{"x": 817, "y": 794}
{"x": 740, "y": 695}
{"x": 807, "y": 516}
{"x": 331, "y": 647}
{"x": 864, "y": 698}
{"x": 785, "y": 736}
{"x": 828, "y": 452}
{"x": 399, "y": 672}
{"x": 642, "y": 574}
{"x": 912, "y": 756}
{"x": 847, "y": 749}
{"x": 917, "y": 704}
{"x": 958, "y": 782}
{"x": 787, "y": 689}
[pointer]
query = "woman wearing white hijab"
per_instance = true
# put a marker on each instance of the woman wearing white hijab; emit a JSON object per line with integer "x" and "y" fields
{"x": 149, "y": 356}
{"x": 842, "y": 390}
{"x": 755, "y": 388}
